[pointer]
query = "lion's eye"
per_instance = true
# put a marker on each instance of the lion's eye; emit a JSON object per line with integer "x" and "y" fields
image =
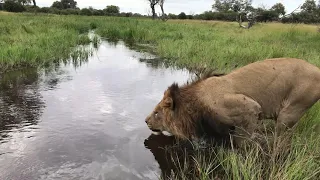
{"x": 155, "y": 114}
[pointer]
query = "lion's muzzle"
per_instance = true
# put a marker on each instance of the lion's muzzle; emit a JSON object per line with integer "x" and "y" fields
{"x": 154, "y": 131}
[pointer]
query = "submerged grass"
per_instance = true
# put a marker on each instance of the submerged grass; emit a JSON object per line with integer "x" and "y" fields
{"x": 33, "y": 40}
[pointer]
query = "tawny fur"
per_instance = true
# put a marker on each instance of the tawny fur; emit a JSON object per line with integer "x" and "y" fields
{"x": 282, "y": 89}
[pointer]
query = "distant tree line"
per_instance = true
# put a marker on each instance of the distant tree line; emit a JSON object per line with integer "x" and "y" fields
{"x": 62, "y": 7}
{"x": 225, "y": 10}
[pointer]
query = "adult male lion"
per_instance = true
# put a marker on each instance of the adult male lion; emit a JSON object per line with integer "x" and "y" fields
{"x": 282, "y": 89}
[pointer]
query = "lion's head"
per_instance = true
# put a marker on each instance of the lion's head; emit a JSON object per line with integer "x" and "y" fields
{"x": 162, "y": 117}
{"x": 181, "y": 113}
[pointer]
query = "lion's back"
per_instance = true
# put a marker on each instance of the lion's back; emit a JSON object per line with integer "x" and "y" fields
{"x": 269, "y": 82}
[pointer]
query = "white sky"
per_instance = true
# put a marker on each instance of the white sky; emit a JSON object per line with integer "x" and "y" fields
{"x": 171, "y": 6}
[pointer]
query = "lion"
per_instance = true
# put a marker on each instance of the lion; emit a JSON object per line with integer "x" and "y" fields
{"x": 281, "y": 89}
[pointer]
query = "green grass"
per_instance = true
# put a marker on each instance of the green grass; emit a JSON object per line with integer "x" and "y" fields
{"x": 220, "y": 45}
{"x": 35, "y": 40}
{"x": 28, "y": 40}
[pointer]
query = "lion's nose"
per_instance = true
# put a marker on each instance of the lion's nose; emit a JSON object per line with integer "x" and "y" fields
{"x": 147, "y": 118}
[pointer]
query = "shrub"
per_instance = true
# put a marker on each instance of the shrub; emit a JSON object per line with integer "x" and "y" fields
{"x": 12, "y": 6}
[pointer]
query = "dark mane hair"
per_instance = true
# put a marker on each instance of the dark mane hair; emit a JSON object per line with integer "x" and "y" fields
{"x": 194, "y": 117}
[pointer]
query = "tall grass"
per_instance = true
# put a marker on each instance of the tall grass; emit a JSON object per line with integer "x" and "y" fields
{"x": 29, "y": 40}
{"x": 222, "y": 45}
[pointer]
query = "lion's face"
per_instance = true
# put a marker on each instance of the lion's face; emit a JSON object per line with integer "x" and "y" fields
{"x": 160, "y": 119}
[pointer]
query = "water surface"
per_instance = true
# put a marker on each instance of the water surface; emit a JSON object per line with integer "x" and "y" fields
{"x": 83, "y": 122}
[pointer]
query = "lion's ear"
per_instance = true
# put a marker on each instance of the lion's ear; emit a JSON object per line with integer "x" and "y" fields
{"x": 168, "y": 102}
{"x": 170, "y": 96}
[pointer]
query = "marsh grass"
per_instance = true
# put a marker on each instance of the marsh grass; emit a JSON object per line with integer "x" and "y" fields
{"x": 29, "y": 40}
{"x": 221, "y": 45}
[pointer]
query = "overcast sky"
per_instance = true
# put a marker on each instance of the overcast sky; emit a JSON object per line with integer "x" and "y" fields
{"x": 171, "y": 6}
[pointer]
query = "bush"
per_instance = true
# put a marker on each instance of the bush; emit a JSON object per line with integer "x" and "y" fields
{"x": 86, "y": 11}
{"x": 182, "y": 15}
{"x": 223, "y": 16}
{"x": 44, "y": 10}
{"x": 172, "y": 16}
{"x": 266, "y": 16}
{"x": 72, "y": 11}
{"x": 98, "y": 12}
{"x": 32, "y": 8}
{"x": 11, "y": 6}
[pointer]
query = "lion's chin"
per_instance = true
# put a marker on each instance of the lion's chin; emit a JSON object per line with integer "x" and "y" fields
{"x": 159, "y": 132}
{"x": 156, "y": 131}
{"x": 166, "y": 133}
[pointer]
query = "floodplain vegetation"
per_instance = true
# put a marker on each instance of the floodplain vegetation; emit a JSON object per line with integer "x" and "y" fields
{"x": 33, "y": 40}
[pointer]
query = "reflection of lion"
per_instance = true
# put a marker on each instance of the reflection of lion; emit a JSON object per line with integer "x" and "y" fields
{"x": 174, "y": 156}
{"x": 282, "y": 89}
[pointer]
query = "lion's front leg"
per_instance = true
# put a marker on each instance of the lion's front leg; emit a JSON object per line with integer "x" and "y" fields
{"x": 240, "y": 111}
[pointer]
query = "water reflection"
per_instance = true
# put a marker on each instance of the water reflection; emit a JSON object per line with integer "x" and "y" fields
{"x": 20, "y": 101}
{"x": 155, "y": 63}
{"x": 179, "y": 159}
{"x": 20, "y": 98}
{"x": 158, "y": 147}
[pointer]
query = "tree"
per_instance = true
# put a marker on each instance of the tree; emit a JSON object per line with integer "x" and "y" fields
{"x": 222, "y": 5}
{"x": 64, "y": 4}
{"x": 13, "y": 6}
{"x": 232, "y": 5}
{"x": 69, "y": 4}
{"x": 153, "y": 3}
{"x": 309, "y": 6}
{"x": 182, "y": 15}
{"x": 241, "y": 5}
{"x": 279, "y": 9}
{"x": 22, "y": 2}
{"x": 112, "y": 9}
{"x": 57, "y": 4}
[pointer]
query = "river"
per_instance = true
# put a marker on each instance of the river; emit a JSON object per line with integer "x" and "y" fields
{"x": 84, "y": 121}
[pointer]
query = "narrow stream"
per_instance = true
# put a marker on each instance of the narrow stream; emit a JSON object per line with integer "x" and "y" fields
{"x": 85, "y": 122}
